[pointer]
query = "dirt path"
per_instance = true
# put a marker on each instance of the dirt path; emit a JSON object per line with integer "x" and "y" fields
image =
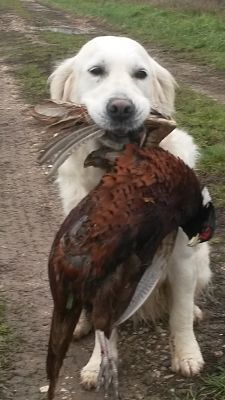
{"x": 29, "y": 218}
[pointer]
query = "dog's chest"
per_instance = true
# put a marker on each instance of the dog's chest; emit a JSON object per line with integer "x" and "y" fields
{"x": 74, "y": 180}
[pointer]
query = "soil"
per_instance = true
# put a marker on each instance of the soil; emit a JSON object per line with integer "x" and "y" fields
{"x": 30, "y": 215}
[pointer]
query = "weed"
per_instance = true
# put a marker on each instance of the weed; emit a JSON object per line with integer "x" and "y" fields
{"x": 214, "y": 386}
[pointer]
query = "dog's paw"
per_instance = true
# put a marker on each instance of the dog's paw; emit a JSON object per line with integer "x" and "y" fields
{"x": 187, "y": 360}
{"x": 89, "y": 376}
{"x": 188, "y": 365}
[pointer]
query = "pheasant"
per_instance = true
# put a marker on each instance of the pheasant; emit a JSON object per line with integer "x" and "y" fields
{"x": 110, "y": 247}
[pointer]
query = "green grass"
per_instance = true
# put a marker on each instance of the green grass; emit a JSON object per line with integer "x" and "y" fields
{"x": 5, "y": 338}
{"x": 212, "y": 6}
{"x": 214, "y": 386}
{"x": 198, "y": 36}
{"x": 218, "y": 192}
{"x": 204, "y": 118}
{"x": 214, "y": 158}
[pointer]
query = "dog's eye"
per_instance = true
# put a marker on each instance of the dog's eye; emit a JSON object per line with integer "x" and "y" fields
{"x": 140, "y": 74}
{"x": 97, "y": 71}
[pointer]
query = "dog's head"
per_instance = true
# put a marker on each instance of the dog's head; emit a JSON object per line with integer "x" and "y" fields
{"x": 118, "y": 82}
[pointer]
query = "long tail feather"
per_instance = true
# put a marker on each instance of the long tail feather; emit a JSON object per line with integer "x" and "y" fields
{"x": 62, "y": 327}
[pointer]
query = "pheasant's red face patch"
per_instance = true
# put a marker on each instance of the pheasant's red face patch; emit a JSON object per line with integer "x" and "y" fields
{"x": 206, "y": 234}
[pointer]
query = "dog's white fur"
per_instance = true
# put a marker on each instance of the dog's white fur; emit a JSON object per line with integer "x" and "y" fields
{"x": 188, "y": 269}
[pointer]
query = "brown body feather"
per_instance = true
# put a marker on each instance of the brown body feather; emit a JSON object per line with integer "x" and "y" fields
{"x": 104, "y": 245}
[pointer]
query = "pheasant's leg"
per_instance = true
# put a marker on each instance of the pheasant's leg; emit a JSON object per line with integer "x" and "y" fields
{"x": 108, "y": 374}
{"x": 89, "y": 374}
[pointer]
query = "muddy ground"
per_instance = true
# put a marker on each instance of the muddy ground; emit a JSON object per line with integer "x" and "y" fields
{"x": 30, "y": 215}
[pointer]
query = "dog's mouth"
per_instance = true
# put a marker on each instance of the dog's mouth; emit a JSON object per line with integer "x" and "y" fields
{"x": 117, "y": 139}
{"x": 131, "y": 135}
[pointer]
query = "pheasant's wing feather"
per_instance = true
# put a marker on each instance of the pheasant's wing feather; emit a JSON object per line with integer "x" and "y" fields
{"x": 148, "y": 282}
{"x": 150, "y": 278}
{"x": 71, "y": 146}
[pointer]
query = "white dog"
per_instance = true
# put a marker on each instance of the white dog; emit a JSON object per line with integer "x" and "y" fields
{"x": 119, "y": 83}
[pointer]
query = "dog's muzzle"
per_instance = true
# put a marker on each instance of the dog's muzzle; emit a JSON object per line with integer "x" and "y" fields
{"x": 121, "y": 114}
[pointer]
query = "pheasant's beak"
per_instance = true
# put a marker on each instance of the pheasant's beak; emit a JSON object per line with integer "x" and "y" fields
{"x": 194, "y": 241}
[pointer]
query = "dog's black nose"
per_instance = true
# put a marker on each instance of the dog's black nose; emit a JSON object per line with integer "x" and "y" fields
{"x": 120, "y": 109}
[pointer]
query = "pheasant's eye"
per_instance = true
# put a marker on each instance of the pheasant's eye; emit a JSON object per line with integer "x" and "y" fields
{"x": 97, "y": 70}
{"x": 140, "y": 74}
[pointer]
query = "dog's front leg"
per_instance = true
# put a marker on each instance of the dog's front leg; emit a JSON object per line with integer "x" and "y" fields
{"x": 186, "y": 354}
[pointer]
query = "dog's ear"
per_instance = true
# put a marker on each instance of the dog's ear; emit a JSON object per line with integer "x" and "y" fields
{"x": 163, "y": 89}
{"x": 62, "y": 80}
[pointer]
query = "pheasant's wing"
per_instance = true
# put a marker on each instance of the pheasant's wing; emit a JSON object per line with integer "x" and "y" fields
{"x": 69, "y": 125}
{"x": 150, "y": 278}
{"x": 51, "y": 112}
